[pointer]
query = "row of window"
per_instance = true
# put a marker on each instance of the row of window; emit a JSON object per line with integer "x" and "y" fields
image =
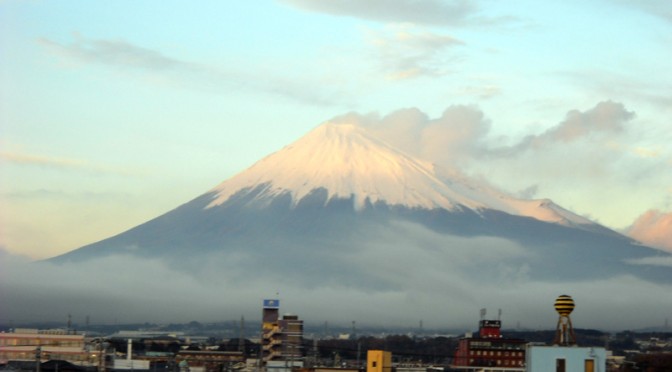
{"x": 54, "y": 356}
{"x": 496, "y": 353}
{"x": 509, "y": 363}
{"x": 40, "y": 342}
{"x": 496, "y": 345}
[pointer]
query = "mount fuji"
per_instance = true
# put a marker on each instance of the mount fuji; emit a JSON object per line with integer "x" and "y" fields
{"x": 342, "y": 206}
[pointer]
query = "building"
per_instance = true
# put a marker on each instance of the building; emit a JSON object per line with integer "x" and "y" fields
{"x": 490, "y": 349}
{"x": 291, "y": 337}
{"x": 564, "y": 355}
{"x": 281, "y": 338}
{"x": 565, "y": 359}
{"x": 45, "y": 345}
{"x": 378, "y": 361}
{"x": 271, "y": 333}
{"x": 210, "y": 361}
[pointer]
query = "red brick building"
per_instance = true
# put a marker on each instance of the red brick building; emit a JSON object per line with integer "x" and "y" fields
{"x": 490, "y": 349}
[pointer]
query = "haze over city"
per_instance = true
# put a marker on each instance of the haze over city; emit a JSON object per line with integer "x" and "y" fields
{"x": 114, "y": 113}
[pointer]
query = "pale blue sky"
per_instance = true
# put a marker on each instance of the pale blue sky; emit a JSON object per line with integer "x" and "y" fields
{"x": 114, "y": 112}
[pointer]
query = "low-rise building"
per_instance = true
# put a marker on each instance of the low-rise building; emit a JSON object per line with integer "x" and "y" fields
{"x": 490, "y": 349}
{"x": 44, "y": 345}
{"x": 565, "y": 359}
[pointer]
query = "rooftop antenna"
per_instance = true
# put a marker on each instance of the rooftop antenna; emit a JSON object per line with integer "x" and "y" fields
{"x": 483, "y": 312}
{"x": 499, "y": 314}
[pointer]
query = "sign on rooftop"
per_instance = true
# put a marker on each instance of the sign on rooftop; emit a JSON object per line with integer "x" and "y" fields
{"x": 271, "y": 304}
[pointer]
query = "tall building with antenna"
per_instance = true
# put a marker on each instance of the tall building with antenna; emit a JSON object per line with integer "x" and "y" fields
{"x": 282, "y": 338}
{"x": 489, "y": 348}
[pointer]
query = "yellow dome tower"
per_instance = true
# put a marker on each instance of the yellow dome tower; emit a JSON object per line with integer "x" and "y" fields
{"x": 564, "y": 335}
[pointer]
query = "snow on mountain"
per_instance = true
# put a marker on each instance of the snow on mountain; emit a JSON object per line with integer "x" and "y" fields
{"x": 348, "y": 161}
{"x": 540, "y": 209}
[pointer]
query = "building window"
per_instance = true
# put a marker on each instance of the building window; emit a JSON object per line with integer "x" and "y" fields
{"x": 589, "y": 365}
{"x": 560, "y": 365}
{"x": 373, "y": 364}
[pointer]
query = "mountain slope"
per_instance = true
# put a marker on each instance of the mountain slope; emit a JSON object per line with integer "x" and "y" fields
{"x": 348, "y": 162}
{"x": 315, "y": 208}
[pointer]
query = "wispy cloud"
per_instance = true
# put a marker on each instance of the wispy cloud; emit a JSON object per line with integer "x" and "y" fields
{"x": 481, "y": 91}
{"x": 116, "y": 53}
{"x": 64, "y": 164}
{"x": 404, "y": 51}
{"x": 653, "y": 261}
{"x": 625, "y": 86}
{"x": 422, "y": 12}
{"x": 661, "y": 9}
{"x": 155, "y": 66}
{"x": 43, "y": 161}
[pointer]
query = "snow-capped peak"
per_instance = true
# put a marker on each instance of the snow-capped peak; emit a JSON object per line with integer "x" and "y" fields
{"x": 347, "y": 161}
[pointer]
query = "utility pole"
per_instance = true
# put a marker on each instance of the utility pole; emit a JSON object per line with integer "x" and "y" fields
{"x": 38, "y": 359}
{"x": 359, "y": 352}
{"x": 241, "y": 335}
{"x": 316, "y": 354}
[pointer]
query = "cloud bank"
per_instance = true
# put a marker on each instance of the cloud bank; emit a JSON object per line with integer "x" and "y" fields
{"x": 427, "y": 276}
{"x": 462, "y": 134}
{"x": 653, "y": 228}
{"x": 591, "y": 147}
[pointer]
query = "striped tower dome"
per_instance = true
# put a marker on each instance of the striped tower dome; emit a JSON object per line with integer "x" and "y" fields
{"x": 564, "y": 305}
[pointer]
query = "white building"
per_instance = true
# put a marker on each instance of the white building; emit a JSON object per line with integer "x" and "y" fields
{"x": 565, "y": 359}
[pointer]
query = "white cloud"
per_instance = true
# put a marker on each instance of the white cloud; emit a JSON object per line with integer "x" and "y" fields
{"x": 653, "y": 228}
{"x": 653, "y": 261}
{"x": 405, "y": 51}
{"x": 590, "y": 157}
{"x": 436, "y": 284}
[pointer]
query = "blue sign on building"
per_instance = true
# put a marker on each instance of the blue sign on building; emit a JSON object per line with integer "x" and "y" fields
{"x": 271, "y": 304}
